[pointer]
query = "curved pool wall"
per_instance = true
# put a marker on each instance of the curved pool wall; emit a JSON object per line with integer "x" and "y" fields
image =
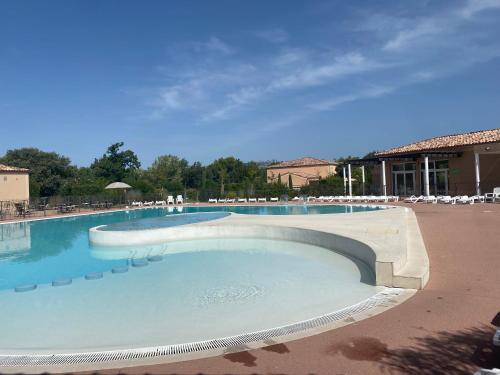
{"x": 390, "y": 242}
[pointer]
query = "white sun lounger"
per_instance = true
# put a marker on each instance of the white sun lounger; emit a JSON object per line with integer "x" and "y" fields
{"x": 274, "y": 199}
{"x": 252, "y": 200}
{"x": 494, "y": 196}
{"x": 414, "y": 199}
{"x": 479, "y": 198}
{"x": 136, "y": 204}
{"x": 262, "y": 200}
{"x": 230, "y": 200}
{"x": 242, "y": 200}
{"x": 212, "y": 200}
{"x": 221, "y": 200}
{"x": 160, "y": 203}
{"x": 447, "y": 199}
{"x": 430, "y": 199}
{"x": 465, "y": 199}
{"x": 148, "y": 203}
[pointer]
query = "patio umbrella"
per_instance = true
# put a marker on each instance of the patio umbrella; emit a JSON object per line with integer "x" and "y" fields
{"x": 119, "y": 185}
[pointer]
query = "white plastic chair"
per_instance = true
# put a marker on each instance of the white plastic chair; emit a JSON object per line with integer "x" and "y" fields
{"x": 179, "y": 199}
{"x": 494, "y": 196}
{"x": 170, "y": 200}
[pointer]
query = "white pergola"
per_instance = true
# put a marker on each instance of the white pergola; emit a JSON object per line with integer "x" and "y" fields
{"x": 401, "y": 158}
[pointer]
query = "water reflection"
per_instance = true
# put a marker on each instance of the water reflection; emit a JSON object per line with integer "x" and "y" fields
{"x": 14, "y": 239}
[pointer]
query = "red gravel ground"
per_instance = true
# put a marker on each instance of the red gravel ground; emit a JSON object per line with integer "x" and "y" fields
{"x": 444, "y": 329}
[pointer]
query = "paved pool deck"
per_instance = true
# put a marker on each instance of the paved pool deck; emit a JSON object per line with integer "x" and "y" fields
{"x": 444, "y": 329}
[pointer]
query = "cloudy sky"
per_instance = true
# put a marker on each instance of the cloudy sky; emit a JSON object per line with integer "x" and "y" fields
{"x": 255, "y": 79}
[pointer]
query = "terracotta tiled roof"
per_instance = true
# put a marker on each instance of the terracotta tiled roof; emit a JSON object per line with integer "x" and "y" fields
{"x": 304, "y": 162}
{"x": 446, "y": 141}
{"x": 6, "y": 168}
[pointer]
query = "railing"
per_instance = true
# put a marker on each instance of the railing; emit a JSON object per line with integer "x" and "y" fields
{"x": 42, "y": 207}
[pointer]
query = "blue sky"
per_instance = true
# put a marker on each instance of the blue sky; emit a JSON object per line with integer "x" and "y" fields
{"x": 255, "y": 79}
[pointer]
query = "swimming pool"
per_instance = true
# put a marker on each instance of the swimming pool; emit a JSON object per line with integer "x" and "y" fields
{"x": 87, "y": 299}
{"x": 39, "y": 252}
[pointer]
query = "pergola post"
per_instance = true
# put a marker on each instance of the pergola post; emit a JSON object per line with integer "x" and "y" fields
{"x": 384, "y": 183}
{"x": 343, "y": 176}
{"x": 478, "y": 177}
{"x": 426, "y": 175}
{"x": 363, "y": 178}
{"x": 349, "y": 179}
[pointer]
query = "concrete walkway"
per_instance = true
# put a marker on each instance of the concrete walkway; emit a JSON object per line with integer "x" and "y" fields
{"x": 444, "y": 329}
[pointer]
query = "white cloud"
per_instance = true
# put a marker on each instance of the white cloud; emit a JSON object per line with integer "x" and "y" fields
{"x": 475, "y": 6}
{"x": 370, "y": 92}
{"x": 320, "y": 74}
{"x": 215, "y": 44}
{"x": 273, "y": 35}
{"x": 435, "y": 27}
{"x": 406, "y": 38}
{"x": 397, "y": 51}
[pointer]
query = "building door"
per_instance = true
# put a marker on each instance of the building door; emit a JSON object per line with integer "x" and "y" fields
{"x": 403, "y": 179}
{"x": 438, "y": 177}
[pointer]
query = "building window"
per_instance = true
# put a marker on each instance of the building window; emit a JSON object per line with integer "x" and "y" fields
{"x": 403, "y": 179}
{"x": 438, "y": 177}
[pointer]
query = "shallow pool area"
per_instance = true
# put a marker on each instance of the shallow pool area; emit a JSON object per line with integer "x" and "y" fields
{"x": 208, "y": 289}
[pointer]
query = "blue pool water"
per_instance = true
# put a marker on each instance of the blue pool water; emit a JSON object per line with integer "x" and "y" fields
{"x": 164, "y": 222}
{"x": 39, "y": 252}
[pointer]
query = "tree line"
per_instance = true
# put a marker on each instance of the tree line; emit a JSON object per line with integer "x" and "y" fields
{"x": 52, "y": 174}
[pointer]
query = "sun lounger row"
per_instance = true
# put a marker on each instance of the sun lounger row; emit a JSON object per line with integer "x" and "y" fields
{"x": 446, "y": 199}
{"x": 353, "y": 199}
{"x": 170, "y": 200}
{"x": 242, "y": 200}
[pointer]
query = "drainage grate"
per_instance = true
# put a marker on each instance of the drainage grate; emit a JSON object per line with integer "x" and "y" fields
{"x": 379, "y": 299}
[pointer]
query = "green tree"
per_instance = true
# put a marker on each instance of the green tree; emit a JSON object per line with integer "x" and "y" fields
{"x": 115, "y": 165}
{"x": 48, "y": 170}
{"x": 167, "y": 172}
{"x": 193, "y": 175}
{"x": 290, "y": 182}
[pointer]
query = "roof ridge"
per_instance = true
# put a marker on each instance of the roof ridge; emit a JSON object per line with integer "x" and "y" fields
{"x": 425, "y": 144}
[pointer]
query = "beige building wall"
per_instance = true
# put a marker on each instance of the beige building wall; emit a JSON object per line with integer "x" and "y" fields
{"x": 297, "y": 181}
{"x": 14, "y": 186}
{"x": 322, "y": 171}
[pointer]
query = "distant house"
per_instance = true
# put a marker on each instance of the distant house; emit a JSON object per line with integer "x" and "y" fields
{"x": 14, "y": 183}
{"x": 302, "y": 171}
{"x": 466, "y": 163}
